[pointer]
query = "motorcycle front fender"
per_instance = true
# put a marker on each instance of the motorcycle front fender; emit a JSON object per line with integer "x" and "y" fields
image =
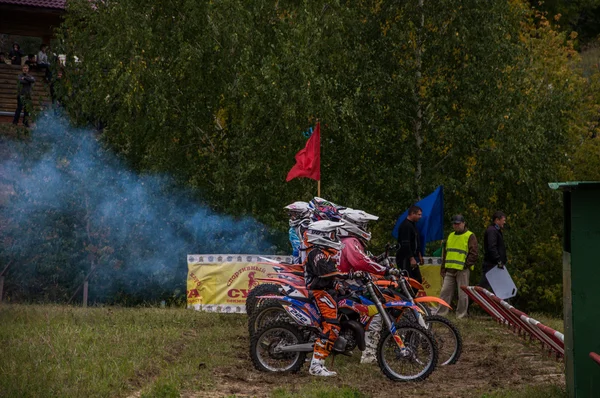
{"x": 432, "y": 299}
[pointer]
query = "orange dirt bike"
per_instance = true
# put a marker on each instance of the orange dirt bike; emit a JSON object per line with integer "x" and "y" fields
{"x": 293, "y": 275}
{"x": 447, "y": 335}
{"x": 406, "y": 351}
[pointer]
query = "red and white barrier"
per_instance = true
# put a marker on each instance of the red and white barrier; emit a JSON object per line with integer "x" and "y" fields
{"x": 517, "y": 320}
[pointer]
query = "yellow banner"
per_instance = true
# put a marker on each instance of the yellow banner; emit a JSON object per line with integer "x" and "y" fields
{"x": 432, "y": 280}
{"x": 221, "y": 282}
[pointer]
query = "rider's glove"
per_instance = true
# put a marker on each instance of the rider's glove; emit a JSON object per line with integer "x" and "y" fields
{"x": 356, "y": 275}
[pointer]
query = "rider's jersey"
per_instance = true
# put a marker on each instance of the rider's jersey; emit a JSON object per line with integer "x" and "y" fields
{"x": 354, "y": 258}
{"x": 319, "y": 262}
{"x": 294, "y": 241}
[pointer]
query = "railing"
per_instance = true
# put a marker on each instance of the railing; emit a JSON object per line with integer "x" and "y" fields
{"x": 518, "y": 321}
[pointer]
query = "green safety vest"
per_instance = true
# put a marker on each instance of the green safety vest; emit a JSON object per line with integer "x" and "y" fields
{"x": 457, "y": 249}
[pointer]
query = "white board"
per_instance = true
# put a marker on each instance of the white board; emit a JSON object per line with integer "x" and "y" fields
{"x": 501, "y": 283}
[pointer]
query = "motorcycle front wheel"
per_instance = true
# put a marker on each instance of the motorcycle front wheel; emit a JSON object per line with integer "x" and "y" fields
{"x": 416, "y": 361}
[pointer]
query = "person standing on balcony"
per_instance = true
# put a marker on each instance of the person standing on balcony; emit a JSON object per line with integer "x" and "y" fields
{"x": 24, "y": 85}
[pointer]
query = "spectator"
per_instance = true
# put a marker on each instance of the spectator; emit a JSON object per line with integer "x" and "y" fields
{"x": 31, "y": 61}
{"x": 2, "y": 58}
{"x": 42, "y": 61}
{"x": 493, "y": 246}
{"x": 409, "y": 254}
{"x": 25, "y": 82}
{"x": 458, "y": 262}
{"x": 15, "y": 54}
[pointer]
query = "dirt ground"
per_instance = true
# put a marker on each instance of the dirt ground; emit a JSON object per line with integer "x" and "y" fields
{"x": 493, "y": 359}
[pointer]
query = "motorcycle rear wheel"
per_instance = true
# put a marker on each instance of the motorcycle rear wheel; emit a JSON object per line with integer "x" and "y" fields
{"x": 266, "y": 312}
{"x": 266, "y": 340}
{"x": 447, "y": 337}
{"x": 260, "y": 290}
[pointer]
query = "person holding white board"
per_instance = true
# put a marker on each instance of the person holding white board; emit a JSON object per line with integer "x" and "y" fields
{"x": 493, "y": 247}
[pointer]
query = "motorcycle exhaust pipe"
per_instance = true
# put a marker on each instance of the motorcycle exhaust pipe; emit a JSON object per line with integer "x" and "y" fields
{"x": 305, "y": 347}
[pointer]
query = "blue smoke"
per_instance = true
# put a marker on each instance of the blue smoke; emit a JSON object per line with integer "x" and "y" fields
{"x": 76, "y": 206}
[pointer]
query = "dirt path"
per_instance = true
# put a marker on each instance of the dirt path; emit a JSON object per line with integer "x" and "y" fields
{"x": 493, "y": 359}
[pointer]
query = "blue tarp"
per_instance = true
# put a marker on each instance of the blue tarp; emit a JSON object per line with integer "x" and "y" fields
{"x": 431, "y": 225}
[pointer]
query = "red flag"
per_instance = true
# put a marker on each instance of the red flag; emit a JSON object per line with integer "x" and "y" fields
{"x": 308, "y": 160}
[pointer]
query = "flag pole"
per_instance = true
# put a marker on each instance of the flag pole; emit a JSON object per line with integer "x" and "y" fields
{"x": 319, "y": 180}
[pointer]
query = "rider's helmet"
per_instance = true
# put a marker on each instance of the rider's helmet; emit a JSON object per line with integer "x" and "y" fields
{"x": 324, "y": 234}
{"x": 302, "y": 225}
{"x": 356, "y": 223}
{"x": 321, "y": 209}
{"x": 297, "y": 211}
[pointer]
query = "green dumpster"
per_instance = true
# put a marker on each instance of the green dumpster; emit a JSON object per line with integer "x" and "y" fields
{"x": 581, "y": 285}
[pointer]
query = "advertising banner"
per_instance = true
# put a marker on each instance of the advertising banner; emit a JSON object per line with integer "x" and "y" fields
{"x": 221, "y": 282}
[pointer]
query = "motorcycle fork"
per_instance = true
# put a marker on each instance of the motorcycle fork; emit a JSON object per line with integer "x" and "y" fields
{"x": 386, "y": 318}
{"x": 418, "y": 316}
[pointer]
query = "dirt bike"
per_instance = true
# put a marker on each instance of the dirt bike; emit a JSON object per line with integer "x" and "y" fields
{"x": 447, "y": 335}
{"x": 406, "y": 351}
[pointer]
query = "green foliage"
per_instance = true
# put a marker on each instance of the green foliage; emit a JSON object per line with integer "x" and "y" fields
{"x": 482, "y": 97}
{"x": 580, "y": 16}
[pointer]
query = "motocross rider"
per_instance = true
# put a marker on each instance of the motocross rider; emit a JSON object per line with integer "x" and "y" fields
{"x": 354, "y": 235}
{"x": 298, "y": 213}
{"x": 323, "y": 249}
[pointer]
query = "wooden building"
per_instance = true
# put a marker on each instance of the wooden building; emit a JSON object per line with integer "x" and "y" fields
{"x": 33, "y": 18}
{"x": 36, "y": 18}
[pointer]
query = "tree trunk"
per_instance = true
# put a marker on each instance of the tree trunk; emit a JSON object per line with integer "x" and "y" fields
{"x": 418, "y": 123}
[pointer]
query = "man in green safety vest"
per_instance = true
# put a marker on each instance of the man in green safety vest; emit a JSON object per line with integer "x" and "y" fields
{"x": 457, "y": 263}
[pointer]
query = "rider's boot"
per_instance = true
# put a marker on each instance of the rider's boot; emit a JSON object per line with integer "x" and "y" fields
{"x": 317, "y": 368}
{"x": 371, "y": 339}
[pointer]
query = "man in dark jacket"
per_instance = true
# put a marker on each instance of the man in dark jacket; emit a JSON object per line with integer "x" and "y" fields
{"x": 25, "y": 81}
{"x": 409, "y": 255}
{"x": 493, "y": 246}
{"x": 15, "y": 54}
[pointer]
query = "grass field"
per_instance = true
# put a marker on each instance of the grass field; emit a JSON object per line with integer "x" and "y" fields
{"x": 60, "y": 351}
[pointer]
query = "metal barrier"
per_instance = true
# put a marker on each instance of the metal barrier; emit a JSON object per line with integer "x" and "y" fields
{"x": 517, "y": 320}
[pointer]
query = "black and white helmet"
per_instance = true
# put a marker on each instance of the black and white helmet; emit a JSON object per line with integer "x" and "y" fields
{"x": 356, "y": 223}
{"x": 297, "y": 211}
{"x": 324, "y": 233}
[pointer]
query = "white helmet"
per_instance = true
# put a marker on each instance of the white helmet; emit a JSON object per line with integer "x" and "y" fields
{"x": 324, "y": 233}
{"x": 355, "y": 223}
{"x": 297, "y": 211}
{"x": 317, "y": 201}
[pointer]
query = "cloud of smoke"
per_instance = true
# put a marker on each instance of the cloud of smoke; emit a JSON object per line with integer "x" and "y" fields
{"x": 76, "y": 206}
